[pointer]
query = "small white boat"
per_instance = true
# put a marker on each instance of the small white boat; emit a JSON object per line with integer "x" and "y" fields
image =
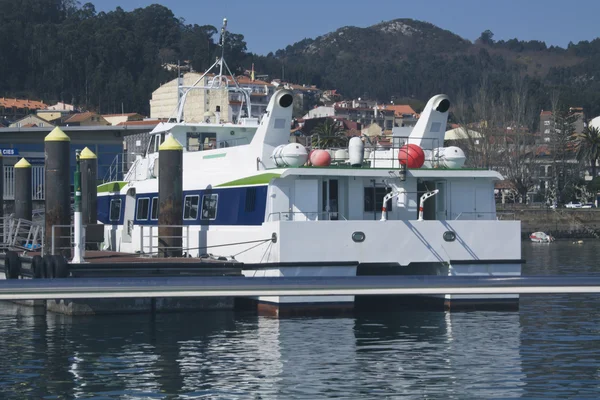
{"x": 541, "y": 237}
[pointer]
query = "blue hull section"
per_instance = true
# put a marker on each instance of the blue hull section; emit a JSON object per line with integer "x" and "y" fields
{"x": 234, "y": 206}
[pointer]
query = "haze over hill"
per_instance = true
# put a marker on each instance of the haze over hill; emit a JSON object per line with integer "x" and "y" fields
{"x": 57, "y": 50}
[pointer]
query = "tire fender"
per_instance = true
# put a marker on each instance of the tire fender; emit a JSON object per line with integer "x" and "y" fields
{"x": 37, "y": 267}
{"x": 12, "y": 265}
{"x": 61, "y": 267}
{"x": 48, "y": 266}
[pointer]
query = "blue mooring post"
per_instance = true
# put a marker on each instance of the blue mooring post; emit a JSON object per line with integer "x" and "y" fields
{"x": 78, "y": 228}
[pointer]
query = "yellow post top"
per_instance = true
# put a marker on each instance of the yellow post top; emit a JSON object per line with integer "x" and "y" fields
{"x": 57, "y": 135}
{"x": 87, "y": 154}
{"x": 170, "y": 143}
{"x": 23, "y": 163}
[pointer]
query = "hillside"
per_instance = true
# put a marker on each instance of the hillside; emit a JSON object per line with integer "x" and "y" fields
{"x": 58, "y": 50}
{"x": 404, "y": 59}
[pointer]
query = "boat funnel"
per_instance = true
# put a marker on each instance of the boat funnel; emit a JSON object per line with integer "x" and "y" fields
{"x": 429, "y": 131}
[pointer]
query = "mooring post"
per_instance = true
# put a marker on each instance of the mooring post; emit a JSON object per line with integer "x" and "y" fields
{"x": 88, "y": 163}
{"x": 23, "y": 190}
{"x": 78, "y": 229}
{"x": 58, "y": 193}
{"x": 170, "y": 198}
{"x": 1, "y": 185}
{"x": 3, "y": 224}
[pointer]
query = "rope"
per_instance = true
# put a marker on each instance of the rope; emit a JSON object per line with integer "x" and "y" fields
{"x": 260, "y": 241}
{"x": 265, "y": 253}
{"x": 250, "y": 248}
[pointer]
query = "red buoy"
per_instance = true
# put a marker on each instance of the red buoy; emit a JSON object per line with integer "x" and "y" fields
{"x": 411, "y": 155}
{"x": 320, "y": 158}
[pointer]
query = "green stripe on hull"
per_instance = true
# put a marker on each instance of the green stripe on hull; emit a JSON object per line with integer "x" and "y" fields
{"x": 251, "y": 180}
{"x": 111, "y": 187}
{"x": 214, "y": 156}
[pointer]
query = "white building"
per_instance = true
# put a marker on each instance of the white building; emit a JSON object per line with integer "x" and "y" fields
{"x": 201, "y": 103}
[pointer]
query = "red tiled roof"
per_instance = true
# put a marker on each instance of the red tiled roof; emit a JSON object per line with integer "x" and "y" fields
{"x": 31, "y": 104}
{"x": 545, "y": 113}
{"x": 503, "y": 185}
{"x": 122, "y": 115}
{"x": 81, "y": 117}
{"x": 400, "y": 109}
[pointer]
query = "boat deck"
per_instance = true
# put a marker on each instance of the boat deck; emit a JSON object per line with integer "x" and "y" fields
{"x": 101, "y": 257}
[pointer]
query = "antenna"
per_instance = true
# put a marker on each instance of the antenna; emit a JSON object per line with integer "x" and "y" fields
{"x": 213, "y": 84}
{"x": 222, "y": 44}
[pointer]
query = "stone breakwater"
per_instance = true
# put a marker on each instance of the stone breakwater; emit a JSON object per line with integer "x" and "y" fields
{"x": 562, "y": 223}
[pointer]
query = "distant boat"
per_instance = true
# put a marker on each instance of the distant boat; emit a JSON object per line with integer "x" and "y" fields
{"x": 541, "y": 237}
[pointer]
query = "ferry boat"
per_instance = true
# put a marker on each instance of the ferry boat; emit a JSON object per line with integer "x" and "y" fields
{"x": 254, "y": 197}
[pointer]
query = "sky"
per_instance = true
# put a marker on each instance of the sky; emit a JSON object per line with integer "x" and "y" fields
{"x": 269, "y": 25}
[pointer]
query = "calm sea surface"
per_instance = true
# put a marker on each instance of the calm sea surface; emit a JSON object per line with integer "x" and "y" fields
{"x": 548, "y": 349}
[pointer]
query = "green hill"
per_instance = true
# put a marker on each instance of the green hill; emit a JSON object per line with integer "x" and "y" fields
{"x": 57, "y": 50}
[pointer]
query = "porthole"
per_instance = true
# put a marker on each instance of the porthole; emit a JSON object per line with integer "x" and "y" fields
{"x": 358, "y": 237}
{"x": 449, "y": 236}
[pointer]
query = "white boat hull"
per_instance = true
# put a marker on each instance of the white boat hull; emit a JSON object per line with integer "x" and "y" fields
{"x": 326, "y": 248}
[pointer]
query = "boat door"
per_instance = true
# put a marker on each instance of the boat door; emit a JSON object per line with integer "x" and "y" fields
{"x": 159, "y": 138}
{"x": 330, "y": 200}
{"x": 441, "y": 201}
{"x": 305, "y": 203}
{"x": 129, "y": 214}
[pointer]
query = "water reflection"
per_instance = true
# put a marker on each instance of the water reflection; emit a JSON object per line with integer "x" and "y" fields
{"x": 455, "y": 355}
{"x": 560, "y": 333}
{"x": 547, "y": 349}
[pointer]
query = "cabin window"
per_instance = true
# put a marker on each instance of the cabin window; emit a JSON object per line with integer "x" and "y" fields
{"x": 250, "y": 199}
{"x": 154, "y": 213}
{"x": 115, "y": 210}
{"x": 374, "y": 199}
{"x": 209, "y": 206}
{"x": 196, "y": 141}
{"x": 193, "y": 141}
{"x": 190, "y": 207}
{"x": 143, "y": 205}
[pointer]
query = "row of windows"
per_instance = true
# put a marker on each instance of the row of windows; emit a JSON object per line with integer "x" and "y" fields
{"x": 190, "y": 208}
{"x": 373, "y": 201}
{"x": 147, "y": 206}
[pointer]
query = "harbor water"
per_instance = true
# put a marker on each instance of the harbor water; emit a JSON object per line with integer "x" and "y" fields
{"x": 547, "y": 349}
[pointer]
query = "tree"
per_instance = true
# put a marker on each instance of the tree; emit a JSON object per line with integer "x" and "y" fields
{"x": 328, "y": 134}
{"x": 481, "y": 115}
{"x": 519, "y": 151}
{"x": 583, "y": 193}
{"x": 487, "y": 37}
{"x": 565, "y": 171}
{"x": 588, "y": 146}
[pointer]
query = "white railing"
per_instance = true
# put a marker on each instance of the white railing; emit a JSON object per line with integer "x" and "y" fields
{"x": 54, "y": 248}
{"x": 149, "y": 245}
{"x": 22, "y": 234}
{"x": 37, "y": 182}
{"x": 379, "y": 152}
{"x": 305, "y": 216}
{"x": 119, "y": 167}
{"x": 475, "y": 215}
